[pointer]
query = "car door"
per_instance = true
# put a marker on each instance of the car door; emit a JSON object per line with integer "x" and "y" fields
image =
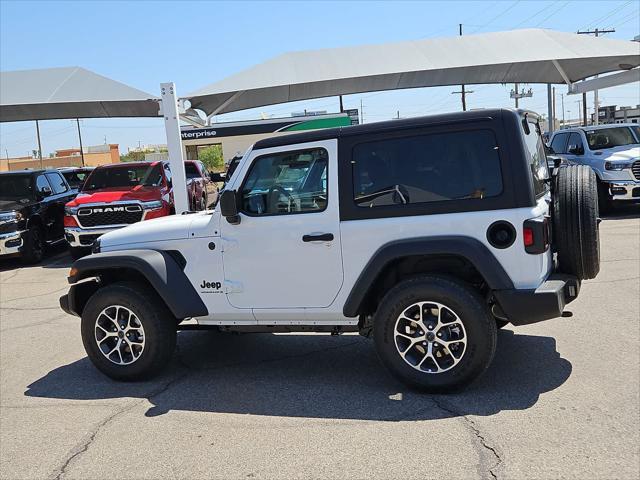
{"x": 60, "y": 195}
{"x": 575, "y": 149}
{"x": 285, "y": 253}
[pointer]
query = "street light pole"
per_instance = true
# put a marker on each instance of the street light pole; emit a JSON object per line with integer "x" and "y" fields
{"x": 39, "y": 144}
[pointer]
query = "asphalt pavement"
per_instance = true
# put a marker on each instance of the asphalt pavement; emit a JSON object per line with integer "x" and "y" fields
{"x": 561, "y": 399}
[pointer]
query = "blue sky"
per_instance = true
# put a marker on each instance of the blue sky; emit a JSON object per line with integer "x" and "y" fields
{"x": 195, "y": 43}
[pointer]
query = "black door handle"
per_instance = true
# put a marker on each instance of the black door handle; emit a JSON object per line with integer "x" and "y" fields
{"x": 321, "y": 237}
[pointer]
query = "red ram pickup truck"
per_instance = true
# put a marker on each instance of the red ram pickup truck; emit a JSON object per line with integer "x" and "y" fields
{"x": 116, "y": 195}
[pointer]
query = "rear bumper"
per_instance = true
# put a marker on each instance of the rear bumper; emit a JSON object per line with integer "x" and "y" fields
{"x": 522, "y": 307}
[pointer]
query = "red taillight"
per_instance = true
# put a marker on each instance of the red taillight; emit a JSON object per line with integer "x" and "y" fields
{"x": 528, "y": 236}
{"x": 69, "y": 221}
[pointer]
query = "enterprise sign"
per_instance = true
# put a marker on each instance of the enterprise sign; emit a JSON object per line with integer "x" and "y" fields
{"x": 197, "y": 134}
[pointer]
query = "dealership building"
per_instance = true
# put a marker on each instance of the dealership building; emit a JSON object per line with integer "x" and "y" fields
{"x": 234, "y": 138}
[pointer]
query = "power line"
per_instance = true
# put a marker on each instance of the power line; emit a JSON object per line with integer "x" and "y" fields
{"x": 509, "y": 8}
{"x": 552, "y": 13}
{"x": 544, "y": 9}
{"x": 609, "y": 14}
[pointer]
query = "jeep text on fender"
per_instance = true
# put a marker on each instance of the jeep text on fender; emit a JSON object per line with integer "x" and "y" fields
{"x": 427, "y": 234}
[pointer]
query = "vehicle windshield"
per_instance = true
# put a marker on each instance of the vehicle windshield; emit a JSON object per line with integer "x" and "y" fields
{"x": 124, "y": 176}
{"x": 610, "y": 137}
{"x": 16, "y": 187}
{"x": 75, "y": 178}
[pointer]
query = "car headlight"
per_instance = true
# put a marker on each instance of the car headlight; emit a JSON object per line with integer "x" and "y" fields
{"x": 153, "y": 205}
{"x": 617, "y": 166}
{"x": 11, "y": 217}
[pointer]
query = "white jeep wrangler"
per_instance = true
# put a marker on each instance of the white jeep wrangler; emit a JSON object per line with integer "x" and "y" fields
{"x": 427, "y": 233}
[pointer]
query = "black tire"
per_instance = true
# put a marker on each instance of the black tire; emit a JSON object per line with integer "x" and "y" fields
{"x": 157, "y": 321}
{"x": 34, "y": 245}
{"x": 79, "y": 252}
{"x": 575, "y": 221}
{"x": 605, "y": 201}
{"x": 468, "y": 305}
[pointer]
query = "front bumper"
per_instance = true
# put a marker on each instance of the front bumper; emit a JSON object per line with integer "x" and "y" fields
{"x": 624, "y": 190}
{"x": 83, "y": 237}
{"x": 11, "y": 242}
{"x": 522, "y": 307}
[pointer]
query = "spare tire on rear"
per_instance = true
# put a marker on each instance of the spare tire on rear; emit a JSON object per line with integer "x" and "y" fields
{"x": 575, "y": 221}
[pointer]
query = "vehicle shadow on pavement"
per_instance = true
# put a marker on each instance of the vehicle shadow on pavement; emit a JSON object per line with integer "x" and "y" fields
{"x": 313, "y": 376}
{"x": 623, "y": 212}
{"x": 56, "y": 257}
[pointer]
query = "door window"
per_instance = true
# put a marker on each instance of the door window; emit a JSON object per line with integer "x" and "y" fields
{"x": 41, "y": 182}
{"x": 559, "y": 143}
{"x": 58, "y": 185}
{"x": 575, "y": 144}
{"x": 426, "y": 168}
{"x": 286, "y": 183}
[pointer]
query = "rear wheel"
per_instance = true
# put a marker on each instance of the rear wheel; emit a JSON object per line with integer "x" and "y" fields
{"x": 575, "y": 221}
{"x": 434, "y": 334}
{"x": 127, "y": 331}
{"x": 34, "y": 245}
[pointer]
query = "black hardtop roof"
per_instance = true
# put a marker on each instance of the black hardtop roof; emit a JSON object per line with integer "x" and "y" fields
{"x": 389, "y": 125}
{"x": 29, "y": 171}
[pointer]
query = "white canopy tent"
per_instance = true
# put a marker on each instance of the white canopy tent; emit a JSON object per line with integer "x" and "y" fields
{"x": 69, "y": 92}
{"x": 522, "y": 56}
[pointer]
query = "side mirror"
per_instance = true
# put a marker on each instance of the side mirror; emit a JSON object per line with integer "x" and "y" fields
{"x": 229, "y": 206}
{"x": 45, "y": 191}
{"x": 575, "y": 150}
{"x": 216, "y": 177}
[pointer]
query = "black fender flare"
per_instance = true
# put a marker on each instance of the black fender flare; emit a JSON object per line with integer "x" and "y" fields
{"x": 160, "y": 269}
{"x": 466, "y": 247}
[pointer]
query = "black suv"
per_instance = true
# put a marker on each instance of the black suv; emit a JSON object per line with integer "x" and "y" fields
{"x": 32, "y": 211}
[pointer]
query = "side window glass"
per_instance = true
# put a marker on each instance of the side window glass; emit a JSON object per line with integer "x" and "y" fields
{"x": 426, "y": 168}
{"x": 559, "y": 143}
{"x": 575, "y": 146}
{"x": 41, "y": 182}
{"x": 286, "y": 183}
{"x": 167, "y": 174}
{"x": 56, "y": 182}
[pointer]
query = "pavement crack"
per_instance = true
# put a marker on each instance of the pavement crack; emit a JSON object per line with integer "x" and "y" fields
{"x": 497, "y": 459}
{"x": 35, "y": 296}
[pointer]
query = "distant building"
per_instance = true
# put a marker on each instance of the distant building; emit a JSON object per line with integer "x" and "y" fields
{"x": 67, "y": 157}
{"x": 615, "y": 114}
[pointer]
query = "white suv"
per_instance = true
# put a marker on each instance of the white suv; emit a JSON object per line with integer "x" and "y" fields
{"x": 612, "y": 151}
{"x": 426, "y": 233}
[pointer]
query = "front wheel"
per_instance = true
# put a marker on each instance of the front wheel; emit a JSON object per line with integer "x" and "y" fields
{"x": 434, "y": 334}
{"x": 34, "y": 245}
{"x": 127, "y": 331}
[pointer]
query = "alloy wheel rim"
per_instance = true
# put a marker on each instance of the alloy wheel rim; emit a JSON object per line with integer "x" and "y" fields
{"x": 119, "y": 335}
{"x": 430, "y": 337}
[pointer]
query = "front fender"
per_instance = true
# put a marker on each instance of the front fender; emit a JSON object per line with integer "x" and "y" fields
{"x": 158, "y": 267}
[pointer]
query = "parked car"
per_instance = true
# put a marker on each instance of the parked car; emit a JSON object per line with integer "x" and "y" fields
{"x": 199, "y": 185}
{"x": 426, "y": 233}
{"x": 117, "y": 195}
{"x": 612, "y": 151}
{"x": 75, "y": 176}
{"x": 32, "y": 212}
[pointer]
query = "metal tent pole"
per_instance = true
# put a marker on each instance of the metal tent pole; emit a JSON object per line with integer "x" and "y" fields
{"x": 174, "y": 145}
{"x": 549, "y": 109}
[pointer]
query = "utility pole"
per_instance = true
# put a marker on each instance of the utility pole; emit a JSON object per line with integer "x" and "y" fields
{"x": 553, "y": 108}
{"x": 341, "y": 105}
{"x": 361, "y": 113}
{"x": 562, "y": 101}
{"x": 80, "y": 138}
{"x": 579, "y": 102}
{"x": 596, "y": 105}
{"x": 462, "y": 91}
{"x": 39, "y": 144}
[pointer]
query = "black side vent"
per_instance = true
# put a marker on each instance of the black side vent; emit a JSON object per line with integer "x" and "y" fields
{"x": 177, "y": 256}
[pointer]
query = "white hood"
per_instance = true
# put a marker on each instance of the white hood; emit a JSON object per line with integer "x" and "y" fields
{"x": 623, "y": 153}
{"x": 173, "y": 227}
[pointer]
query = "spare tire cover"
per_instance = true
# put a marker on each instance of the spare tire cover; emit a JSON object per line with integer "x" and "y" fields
{"x": 575, "y": 221}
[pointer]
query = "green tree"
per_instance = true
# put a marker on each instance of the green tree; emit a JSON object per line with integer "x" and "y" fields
{"x": 212, "y": 157}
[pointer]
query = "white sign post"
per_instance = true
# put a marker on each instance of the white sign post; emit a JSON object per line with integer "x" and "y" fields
{"x": 169, "y": 110}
